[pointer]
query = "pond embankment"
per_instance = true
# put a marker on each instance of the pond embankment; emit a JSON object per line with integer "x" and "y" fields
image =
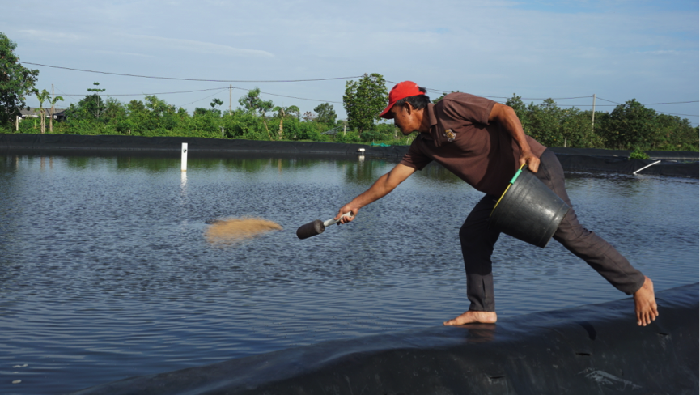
{"x": 592, "y": 349}
{"x": 665, "y": 163}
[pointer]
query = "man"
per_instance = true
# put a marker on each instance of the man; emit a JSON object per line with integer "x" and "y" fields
{"x": 483, "y": 143}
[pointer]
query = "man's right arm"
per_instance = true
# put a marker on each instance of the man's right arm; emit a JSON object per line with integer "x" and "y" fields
{"x": 378, "y": 190}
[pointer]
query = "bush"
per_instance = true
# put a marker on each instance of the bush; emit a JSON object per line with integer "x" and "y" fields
{"x": 350, "y": 137}
{"x": 638, "y": 154}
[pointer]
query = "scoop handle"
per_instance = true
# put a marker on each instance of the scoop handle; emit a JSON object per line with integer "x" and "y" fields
{"x": 336, "y": 221}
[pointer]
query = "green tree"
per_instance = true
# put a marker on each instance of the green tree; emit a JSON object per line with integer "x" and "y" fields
{"x": 294, "y": 111}
{"x": 115, "y": 114}
{"x": 253, "y": 103}
{"x": 629, "y": 126}
{"x": 544, "y": 123}
{"x": 160, "y": 115}
{"x": 673, "y": 133}
{"x": 98, "y": 100}
{"x": 309, "y": 116}
{"x": 364, "y": 99}
{"x": 15, "y": 82}
{"x": 575, "y": 126}
{"x": 517, "y": 104}
{"x": 213, "y": 104}
{"x": 325, "y": 113}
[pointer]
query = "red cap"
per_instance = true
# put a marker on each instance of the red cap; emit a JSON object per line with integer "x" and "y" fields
{"x": 400, "y": 91}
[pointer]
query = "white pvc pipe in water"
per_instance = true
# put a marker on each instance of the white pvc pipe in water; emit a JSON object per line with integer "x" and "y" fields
{"x": 183, "y": 157}
{"x": 640, "y": 169}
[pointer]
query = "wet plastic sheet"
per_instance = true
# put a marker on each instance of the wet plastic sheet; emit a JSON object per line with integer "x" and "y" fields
{"x": 583, "y": 163}
{"x": 11, "y": 143}
{"x": 593, "y": 349}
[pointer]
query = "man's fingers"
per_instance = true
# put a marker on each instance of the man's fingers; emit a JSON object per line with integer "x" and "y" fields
{"x": 534, "y": 164}
{"x": 348, "y": 216}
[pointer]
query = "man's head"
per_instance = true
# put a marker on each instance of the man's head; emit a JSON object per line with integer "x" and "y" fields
{"x": 407, "y": 102}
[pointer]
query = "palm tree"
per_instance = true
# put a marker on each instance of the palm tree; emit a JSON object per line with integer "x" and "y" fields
{"x": 42, "y": 97}
{"x": 53, "y": 103}
{"x": 283, "y": 112}
{"x": 264, "y": 106}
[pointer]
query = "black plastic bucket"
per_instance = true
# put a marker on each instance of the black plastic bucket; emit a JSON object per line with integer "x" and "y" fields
{"x": 528, "y": 210}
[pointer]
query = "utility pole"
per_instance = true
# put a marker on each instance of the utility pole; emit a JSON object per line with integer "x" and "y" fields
{"x": 51, "y": 113}
{"x": 229, "y": 99}
{"x": 593, "y": 115}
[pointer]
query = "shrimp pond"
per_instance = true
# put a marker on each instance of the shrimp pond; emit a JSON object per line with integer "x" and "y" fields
{"x": 106, "y": 273}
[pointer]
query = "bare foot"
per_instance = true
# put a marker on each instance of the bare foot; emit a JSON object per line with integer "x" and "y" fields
{"x": 469, "y": 317}
{"x": 645, "y": 303}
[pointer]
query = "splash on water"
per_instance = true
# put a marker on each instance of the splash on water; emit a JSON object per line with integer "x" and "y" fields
{"x": 236, "y": 230}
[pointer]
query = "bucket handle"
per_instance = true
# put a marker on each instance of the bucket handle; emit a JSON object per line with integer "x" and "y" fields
{"x": 512, "y": 181}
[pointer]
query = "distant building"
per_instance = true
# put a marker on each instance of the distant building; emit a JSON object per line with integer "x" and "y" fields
{"x": 59, "y": 114}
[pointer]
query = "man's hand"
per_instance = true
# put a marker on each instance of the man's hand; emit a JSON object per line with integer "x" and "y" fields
{"x": 532, "y": 162}
{"x": 344, "y": 210}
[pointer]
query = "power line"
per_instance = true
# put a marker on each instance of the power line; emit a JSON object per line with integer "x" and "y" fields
{"x": 685, "y": 115}
{"x": 216, "y": 93}
{"x": 189, "y": 79}
{"x": 675, "y": 102}
{"x": 299, "y": 98}
{"x": 152, "y": 94}
{"x": 612, "y": 105}
{"x": 204, "y": 90}
{"x": 505, "y": 97}
{"x": 600, "y": 98}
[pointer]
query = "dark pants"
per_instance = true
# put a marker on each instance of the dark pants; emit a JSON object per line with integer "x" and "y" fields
{"x": 477, "y": 240}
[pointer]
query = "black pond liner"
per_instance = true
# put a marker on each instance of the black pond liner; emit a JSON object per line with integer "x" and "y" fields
{"x": 591, "y": 349}
{"x": 528, "y": 210}
{"x": 572, "y": 159}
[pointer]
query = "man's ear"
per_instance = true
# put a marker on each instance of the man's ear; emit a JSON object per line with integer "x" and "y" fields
{"x": 407, "y": 107}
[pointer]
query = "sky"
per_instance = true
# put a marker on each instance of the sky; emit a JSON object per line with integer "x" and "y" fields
{"x": 616, "y": 49}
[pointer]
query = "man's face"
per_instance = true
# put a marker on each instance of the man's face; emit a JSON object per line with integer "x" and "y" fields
{"x": 405, "y": 118}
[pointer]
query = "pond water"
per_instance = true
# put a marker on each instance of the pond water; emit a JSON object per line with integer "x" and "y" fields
{"x": 105, "y": 272}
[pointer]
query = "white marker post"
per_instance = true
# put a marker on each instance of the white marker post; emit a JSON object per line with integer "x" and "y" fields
{"x": 183, "y": 158}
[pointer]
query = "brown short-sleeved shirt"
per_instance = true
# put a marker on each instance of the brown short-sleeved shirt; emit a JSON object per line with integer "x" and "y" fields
{"x": 462, "y": 140}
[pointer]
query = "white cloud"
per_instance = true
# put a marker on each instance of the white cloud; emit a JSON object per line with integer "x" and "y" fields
{"x": 125, "y": 53}
{"x": 52, "y": 36}
{"x": 197, "y": 46}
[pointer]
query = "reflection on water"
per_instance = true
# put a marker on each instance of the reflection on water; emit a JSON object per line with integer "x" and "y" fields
{"x": 106, "y": 272}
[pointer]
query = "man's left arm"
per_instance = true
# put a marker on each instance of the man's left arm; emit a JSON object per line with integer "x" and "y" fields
{"x": 506, "y": 116}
